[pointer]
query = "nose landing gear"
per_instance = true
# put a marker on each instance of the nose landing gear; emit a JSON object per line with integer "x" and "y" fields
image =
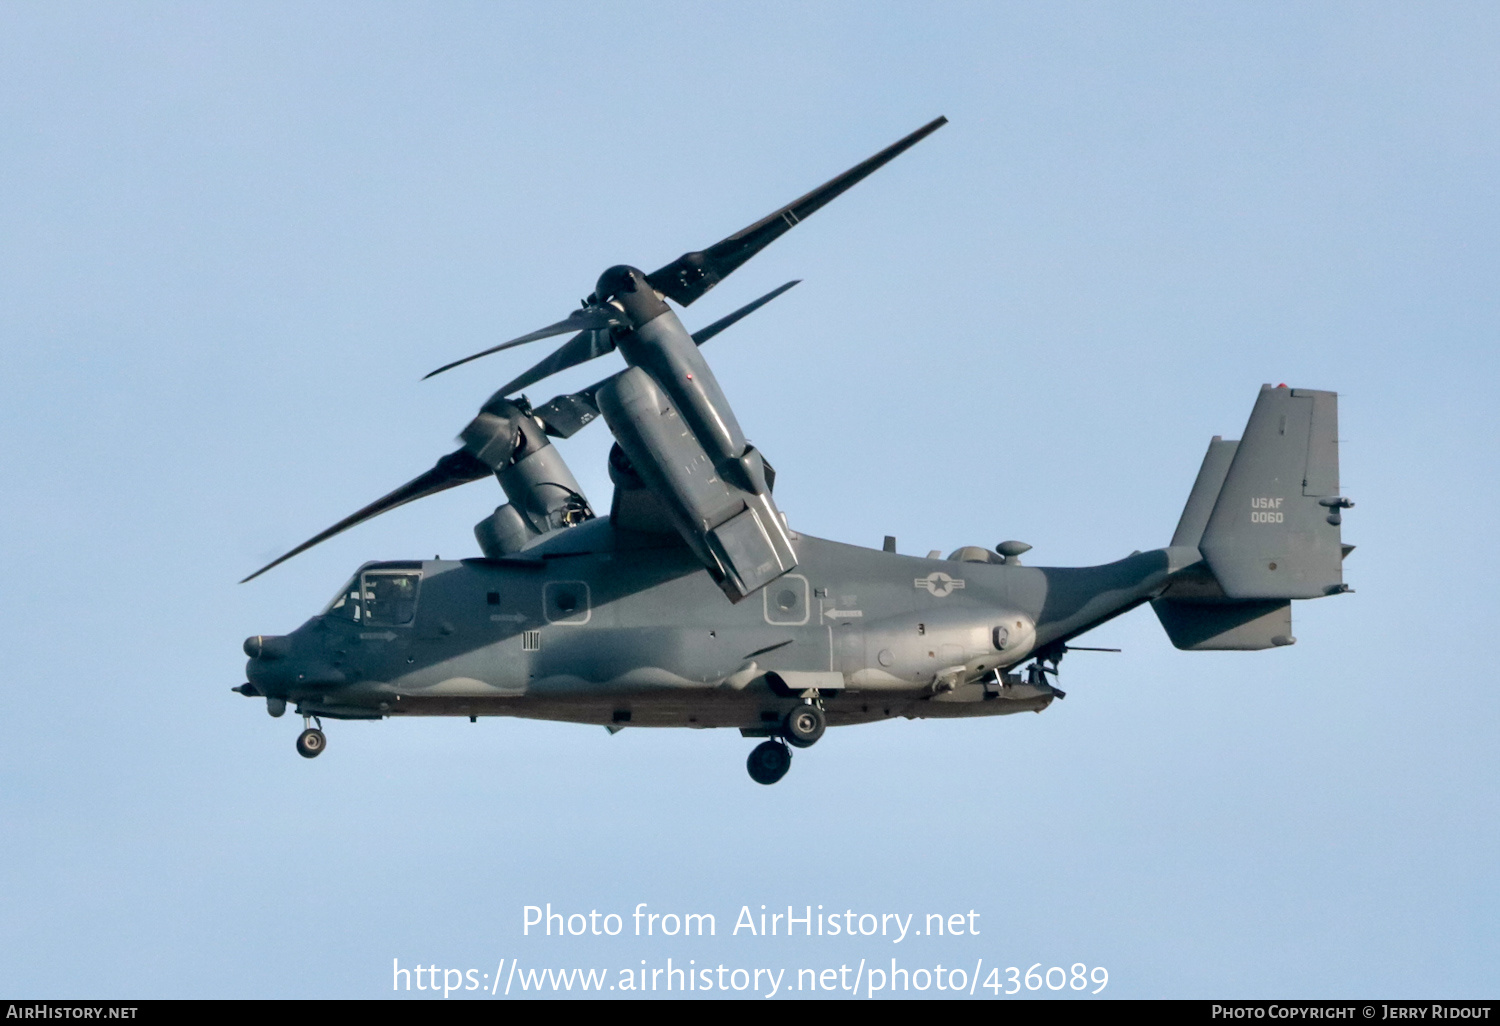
{"x": 312, "y": 741}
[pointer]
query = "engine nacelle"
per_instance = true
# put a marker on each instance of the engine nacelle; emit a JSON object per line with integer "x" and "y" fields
{"x": 674, "y": 424}
{"x": 736, "y": 532}
{"x": 503, "y": 532}
{"x": 544, "y": 495}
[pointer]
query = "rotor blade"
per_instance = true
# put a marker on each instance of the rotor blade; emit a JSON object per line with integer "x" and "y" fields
{"x": 565, "y": 415}
{"x": 587, "y": 345}
{"x": 692, "y": 274}
{"x": 702, "y": 335}
{"x": 579, "y": 349}
{"x": 452, "y": 470}
{"x": 590, "y": 318}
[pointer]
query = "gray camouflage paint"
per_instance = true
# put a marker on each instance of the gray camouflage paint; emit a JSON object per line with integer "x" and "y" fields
{"x": 593, "y": 624}
{"x": 652, "y": 641}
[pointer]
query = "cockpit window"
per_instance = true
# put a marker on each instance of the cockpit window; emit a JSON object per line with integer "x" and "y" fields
{"x": 390, "y": 598}
{"x": 346, "y": 603}
{"x": 386, "y": 598}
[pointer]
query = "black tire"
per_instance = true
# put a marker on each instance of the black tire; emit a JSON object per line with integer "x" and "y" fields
{"x": 768, "y": 762}
{"x": 310, "y": 743}
{"x": 804, "y": 725}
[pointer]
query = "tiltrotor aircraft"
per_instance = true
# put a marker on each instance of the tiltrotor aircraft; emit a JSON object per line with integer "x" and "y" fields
{"x": 695, "y": 604}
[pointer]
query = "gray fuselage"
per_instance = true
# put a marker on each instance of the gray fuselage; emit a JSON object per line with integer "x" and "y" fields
{"x": 594, "y": 626}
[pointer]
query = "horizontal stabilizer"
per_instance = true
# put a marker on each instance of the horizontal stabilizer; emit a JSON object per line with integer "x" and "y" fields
{"x": 1226, "y": 626}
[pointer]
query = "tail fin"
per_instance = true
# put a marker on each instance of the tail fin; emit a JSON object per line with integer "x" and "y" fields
{"x": 1205, "y": 493}
{"x": 1265, "y": 513}
{"x": 1274, "y": 530}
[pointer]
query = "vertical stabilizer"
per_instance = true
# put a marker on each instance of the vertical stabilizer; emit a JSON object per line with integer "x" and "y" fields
{"x": 1274, "y": 530}
{"x": 1205, "y": 493}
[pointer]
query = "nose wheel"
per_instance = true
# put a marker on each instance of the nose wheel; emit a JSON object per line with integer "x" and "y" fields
{"x": 312, "y": 740}
{"x": 769, "y": 762}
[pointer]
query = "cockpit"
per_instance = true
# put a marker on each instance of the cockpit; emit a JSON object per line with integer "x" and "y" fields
{"x": 380, "y": 595}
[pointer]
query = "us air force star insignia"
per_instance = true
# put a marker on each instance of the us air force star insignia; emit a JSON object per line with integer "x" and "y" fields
{"x": 939, "y": 583}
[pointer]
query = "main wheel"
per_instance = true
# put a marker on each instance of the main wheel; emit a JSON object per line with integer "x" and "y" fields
{"x": 310, "y": 743}
{"x": 804, "y": 725}
{"x": 768, "y": 762}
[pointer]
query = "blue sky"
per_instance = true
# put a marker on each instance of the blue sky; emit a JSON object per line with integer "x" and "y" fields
{"x": 233, "y": 237}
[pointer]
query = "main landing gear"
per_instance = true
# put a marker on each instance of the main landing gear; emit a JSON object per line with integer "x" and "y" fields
{"x": 312, "y": 741}
{"x": 770, "y": 760}
{"x": 804, "y": 725}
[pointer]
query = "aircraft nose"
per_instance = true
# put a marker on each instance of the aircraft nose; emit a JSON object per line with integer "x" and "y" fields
{"x": 268, "y": 646}
{"x": 271, "y": 666}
